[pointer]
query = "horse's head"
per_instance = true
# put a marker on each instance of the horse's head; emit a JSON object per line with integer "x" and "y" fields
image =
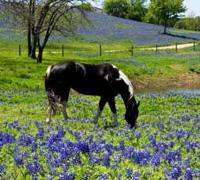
{"x": 132, "y": 112}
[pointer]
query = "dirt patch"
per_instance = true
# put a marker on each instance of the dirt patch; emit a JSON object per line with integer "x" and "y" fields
{"x": 178, "y": 67}
{"x": 186, "y": 80}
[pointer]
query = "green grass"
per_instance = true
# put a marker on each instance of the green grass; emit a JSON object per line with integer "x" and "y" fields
{"x": 24, "y": 73}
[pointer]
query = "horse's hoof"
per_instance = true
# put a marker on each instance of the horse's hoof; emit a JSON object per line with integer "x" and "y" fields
{"x": 48, "y": 121}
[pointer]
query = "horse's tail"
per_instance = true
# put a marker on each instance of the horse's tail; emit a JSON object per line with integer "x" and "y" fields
{"x": 49, "y": 90}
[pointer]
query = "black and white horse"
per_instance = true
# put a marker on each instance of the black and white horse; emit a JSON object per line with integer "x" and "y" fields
{"x": 103, "y": 80}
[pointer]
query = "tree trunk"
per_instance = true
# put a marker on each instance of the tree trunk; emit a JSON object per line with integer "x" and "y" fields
{"x": 39, "y": 59}
{"x": 34, "y": 46}
{"x": 29, "y": 42}
{"x": 165, "y": 27}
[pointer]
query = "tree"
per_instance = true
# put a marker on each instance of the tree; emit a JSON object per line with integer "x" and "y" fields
{"x": 137, "y": 10}
{"x": 118, "y": 8}
{"x": 189, "y": 23}
{"x": 165, "y": 10}
{"x": 41, "y": 18}
{"x": 129, "y": 9}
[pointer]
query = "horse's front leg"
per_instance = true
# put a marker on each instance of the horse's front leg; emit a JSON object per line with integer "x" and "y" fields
{"x": 111, "y": 103}
{"x": 63, "y": 108}
{"x": 64, "y": 99}
{"x": 102, "y": 103}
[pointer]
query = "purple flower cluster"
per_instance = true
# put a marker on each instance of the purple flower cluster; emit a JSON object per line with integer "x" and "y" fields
{"x": 166, "y": 140}
{"x": 111, "y": 29}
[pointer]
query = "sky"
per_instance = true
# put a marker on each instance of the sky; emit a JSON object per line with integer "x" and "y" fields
{"x": 193, "y": 6}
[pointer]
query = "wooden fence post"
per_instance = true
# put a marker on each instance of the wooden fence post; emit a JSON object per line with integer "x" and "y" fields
{"x": 20, "y": 50}
{"x": 194, "y": 46}
{"x": 100, "y": 50}
{"x": 176, "y": 47}
{"x": 63, "y": 53}
{"x": 132, "y": 50}
{"x": 156, "y": 48}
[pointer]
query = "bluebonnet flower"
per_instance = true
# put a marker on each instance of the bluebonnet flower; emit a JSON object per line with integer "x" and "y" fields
{"x": 76, "y": 159}
{"x": 34, "y": 146}
{"x": 94, "y": 160}
{"x": 87, "y": 175}
{"x": 6, "y": 138}
{"x": 136, "y": 175}
{"x": 176, "y": 172}
{"x": 3, "y": 168}
{"x": 155, "y": 160}
{"x": 67, "y": 175}
{"x": 25, "y": 139}
{"x": 34, "y": 167}
{"x": 167, "y": 172}
{"x": 188, "y": 174}
{"x": 106, "y": 159}
{"x": 83, "y": 146}
{"x": 18, "y": 158}
{"x": 109, "y": 148}
{"x": 117, "y": 158}
{"x": 121, "y": 142}
{"x": 138, "y": 135}
{"x": 103, "y": 176}
{"x": 129, "y": 173}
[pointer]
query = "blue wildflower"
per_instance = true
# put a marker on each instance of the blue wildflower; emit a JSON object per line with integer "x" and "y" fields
{"x": 83, "y": 146}
{"x": 129, "y": 173}
{"x": 106, "y": 159}
{"x": 188, "y": 174}
{"x": 103, "y": 176}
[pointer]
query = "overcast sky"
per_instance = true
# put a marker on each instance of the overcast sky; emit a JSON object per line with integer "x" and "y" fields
{"x": 193, "y": 6}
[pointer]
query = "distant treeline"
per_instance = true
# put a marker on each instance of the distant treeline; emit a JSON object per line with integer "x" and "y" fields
{"x": 191, "y": 23}
{"x": 161, "y": 12}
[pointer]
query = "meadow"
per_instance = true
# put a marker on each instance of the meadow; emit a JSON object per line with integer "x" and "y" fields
{"x": 165, "y": 144}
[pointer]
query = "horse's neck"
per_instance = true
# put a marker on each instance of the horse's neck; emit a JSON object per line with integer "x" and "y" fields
{"x": 126, "y": 97}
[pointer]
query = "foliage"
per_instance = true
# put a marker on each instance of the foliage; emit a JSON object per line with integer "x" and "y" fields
{"x": 85, "y": 7}
{"x": 133, "y": 9}
{"x": 163, "y": 10}
{"x": 118, "y": 8}
{"x": 137, "y": 10}
{"x": 189, "y": 24}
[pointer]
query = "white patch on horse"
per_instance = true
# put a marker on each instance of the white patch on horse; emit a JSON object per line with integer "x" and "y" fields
{"x": 48, "y": 71}
{"x": 126, "y": 80}
{"x": 84, "y": 70}
{"x": 106, "y": 77}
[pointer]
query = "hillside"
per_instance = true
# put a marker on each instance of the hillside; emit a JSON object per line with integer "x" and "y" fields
{"x": 106, "y": 29}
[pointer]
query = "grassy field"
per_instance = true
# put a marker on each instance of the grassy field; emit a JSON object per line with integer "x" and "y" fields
{"x": 165, "y": 144}
{"x": 163, "y": 68}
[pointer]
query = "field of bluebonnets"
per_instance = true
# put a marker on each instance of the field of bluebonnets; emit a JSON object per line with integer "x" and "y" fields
{"x": 165, "y": 145}
{"x": 109, "y": 29}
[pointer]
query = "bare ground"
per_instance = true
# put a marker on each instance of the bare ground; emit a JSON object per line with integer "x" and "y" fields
{"x": 185, "y": 81}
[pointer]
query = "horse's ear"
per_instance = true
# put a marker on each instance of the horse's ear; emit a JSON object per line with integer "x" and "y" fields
{"x": 138, "y": 103}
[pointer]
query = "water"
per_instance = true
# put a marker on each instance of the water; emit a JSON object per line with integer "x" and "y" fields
{"x": 177, "y": 90}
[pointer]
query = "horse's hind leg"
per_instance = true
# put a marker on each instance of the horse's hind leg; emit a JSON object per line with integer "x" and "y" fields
{"x": 49, "y": 111}
{"x": 102, "y": 103}
{"x": 111, "y": 103}
{"x": 64, "y": 99}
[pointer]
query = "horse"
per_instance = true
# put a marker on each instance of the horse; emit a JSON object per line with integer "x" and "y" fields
{"x": 104, "y": 80}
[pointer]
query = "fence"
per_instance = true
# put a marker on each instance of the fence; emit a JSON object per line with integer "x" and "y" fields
{"x": 99, "y": 50}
